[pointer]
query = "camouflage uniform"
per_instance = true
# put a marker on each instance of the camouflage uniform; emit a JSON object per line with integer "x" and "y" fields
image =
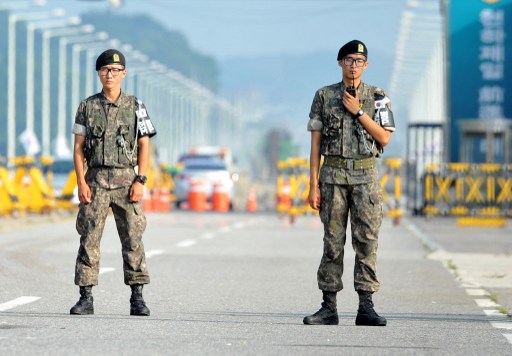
{"x": 111, "y": 154}
{"x": 347, "y": 187}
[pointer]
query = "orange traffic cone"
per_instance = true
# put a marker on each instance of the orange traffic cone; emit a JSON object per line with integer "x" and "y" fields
{"x": 147, "y": 204}
{"x": 220, "y": 197}
{"x": 197, "y": 196}
{"x": 161, "y": 200}
{"x": 252, "y": 204}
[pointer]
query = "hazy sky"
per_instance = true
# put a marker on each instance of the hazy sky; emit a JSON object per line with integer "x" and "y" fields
{"x": 228, "y": 28}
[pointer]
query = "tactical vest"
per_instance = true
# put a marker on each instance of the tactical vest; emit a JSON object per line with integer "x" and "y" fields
{"x": 342, "y": 133}
{"x": 110, "y": 141}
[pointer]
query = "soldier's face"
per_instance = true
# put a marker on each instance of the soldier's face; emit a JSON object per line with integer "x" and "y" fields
{"x": 111, "y": 75}
{"x": 353, "y": 65}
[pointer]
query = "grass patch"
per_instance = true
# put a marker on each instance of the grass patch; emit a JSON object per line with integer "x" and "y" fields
{"x": 493, "y": 297}
{"x": 451, "y": 266}
{"x": 505, "y": 311}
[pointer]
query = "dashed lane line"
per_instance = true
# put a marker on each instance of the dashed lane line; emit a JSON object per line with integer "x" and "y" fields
{"x": 106, "y": 269}
{"x": 502, "y": 325}
{"x": 186, "y": 243}
{"x": 471, "y": 289}
{"x": 239, "y": 225}
{"x": 152, "y": 253}
{"x": 494, "y": 313}
{"x": 211, "y": 235}
{"x": 486, "y": 303}
{"x": 477, "y": 292}
{"x": 17, "y": 302}
{"x": 149, "y": 254}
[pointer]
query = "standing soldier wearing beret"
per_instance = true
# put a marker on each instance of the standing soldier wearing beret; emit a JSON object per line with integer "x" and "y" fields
{"x": 112, "y": 131}
{"x": 350, "y": 123}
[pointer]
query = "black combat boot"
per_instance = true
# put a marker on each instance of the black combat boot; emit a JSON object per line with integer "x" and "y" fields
{"x": 137, "y": 304}
{"x": 327, "y": 315}
{"x": 85, "y": 303}
{"x": 366, "y": 315}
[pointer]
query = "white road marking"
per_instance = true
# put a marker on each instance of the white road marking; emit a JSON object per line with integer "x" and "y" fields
{"x": 508, "y": 337}
{"x": 494, "y": 313}
{"x": 106, "y": 269}
{"x": 152, "y": 253}
{"x": 477, "y": 292}
{"x": 502, "y": 324}
{"x": 486, "y": 303}
{"x": 208, "y": 235}
{"x": 17, "y": 302}
{"x": 239, "y": 225}
{"x": 186, "y": 243}
{"x": 470, "y": 285}
{"x": 225, "y": 229}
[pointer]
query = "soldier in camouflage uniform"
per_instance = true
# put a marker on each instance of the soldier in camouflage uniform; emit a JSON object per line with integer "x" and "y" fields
{"x": 350, "y": 123}
{"x": 112, "y": 131}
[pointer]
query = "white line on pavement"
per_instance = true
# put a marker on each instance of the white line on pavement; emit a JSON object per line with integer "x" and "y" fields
{"x": 106, "y": 269}
{"x": 239, "y": 225}
{"x": 486, "y": 303}
{"x": 509, "y": 337}
{"x": 17, "y": 302}
{"x": 208, "y": 235}
{"x": 186, "y": 243}
{"x": 494, "y": 313}
{"x": 225, "y": 229}
{"x": 477, "y": 292}
{"x": 152, "y": 253}
{"x": 502, "y": 325}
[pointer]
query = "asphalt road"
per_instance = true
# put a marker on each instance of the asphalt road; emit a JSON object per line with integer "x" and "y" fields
{"x": 240, "y": 283}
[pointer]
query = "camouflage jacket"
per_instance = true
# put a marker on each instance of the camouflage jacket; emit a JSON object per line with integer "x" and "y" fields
{"x": 342, "y": 134}
{"x": 109, "y": 130}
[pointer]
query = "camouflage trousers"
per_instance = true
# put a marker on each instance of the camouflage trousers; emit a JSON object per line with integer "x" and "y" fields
{"x": 363, "y": 203}
{"x": 130, "y": 222}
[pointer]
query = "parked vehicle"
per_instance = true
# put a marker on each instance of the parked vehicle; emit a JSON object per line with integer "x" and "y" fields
{"x": 209, "y": 171}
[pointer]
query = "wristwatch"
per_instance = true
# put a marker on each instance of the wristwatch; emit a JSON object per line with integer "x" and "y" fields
{"x": 141, "y": 179}
{"x": 360, "y": 113}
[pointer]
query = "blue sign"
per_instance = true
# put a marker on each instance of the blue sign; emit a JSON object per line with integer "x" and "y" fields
{"x": 480, "y": 53}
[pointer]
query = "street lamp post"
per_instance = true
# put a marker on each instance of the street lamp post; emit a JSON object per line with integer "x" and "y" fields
{"x": 30, "y": 92}
{"x": 47, "y": 35}
{"x": 62, "y": 88}
{"x": 75, "y": 64}
{"x": 11, "y": 74}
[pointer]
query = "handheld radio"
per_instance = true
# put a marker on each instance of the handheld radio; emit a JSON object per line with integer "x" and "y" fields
{"x": 352, "y": 89}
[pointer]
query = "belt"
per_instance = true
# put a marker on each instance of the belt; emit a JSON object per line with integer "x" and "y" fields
{"x": 350, "y": 164}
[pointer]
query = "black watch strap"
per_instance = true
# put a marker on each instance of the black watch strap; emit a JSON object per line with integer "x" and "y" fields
{"x": 141, "y": 179}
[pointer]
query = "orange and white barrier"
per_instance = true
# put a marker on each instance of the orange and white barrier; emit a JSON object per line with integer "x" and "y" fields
{"x": 161, "y": 200}
{"x": 220, "y": 197}
{"x": 252, "y": 203}
{"x": 147, "y": 201}
{"x": 197, "y": 195}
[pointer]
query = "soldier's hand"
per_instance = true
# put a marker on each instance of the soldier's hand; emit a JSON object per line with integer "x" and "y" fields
{"x": 350, "y": 102}
{"x": 84, "y": 194}
{"x": 136, "y": 192}
{"x": 314, "y": 198}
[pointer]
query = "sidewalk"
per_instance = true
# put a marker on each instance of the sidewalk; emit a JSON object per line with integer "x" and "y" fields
{"x": 478, "y": 257}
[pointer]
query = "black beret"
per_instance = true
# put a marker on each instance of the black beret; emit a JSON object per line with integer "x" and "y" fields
{"x": 110, "y": 56}
{"x": 352, "y": 47}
